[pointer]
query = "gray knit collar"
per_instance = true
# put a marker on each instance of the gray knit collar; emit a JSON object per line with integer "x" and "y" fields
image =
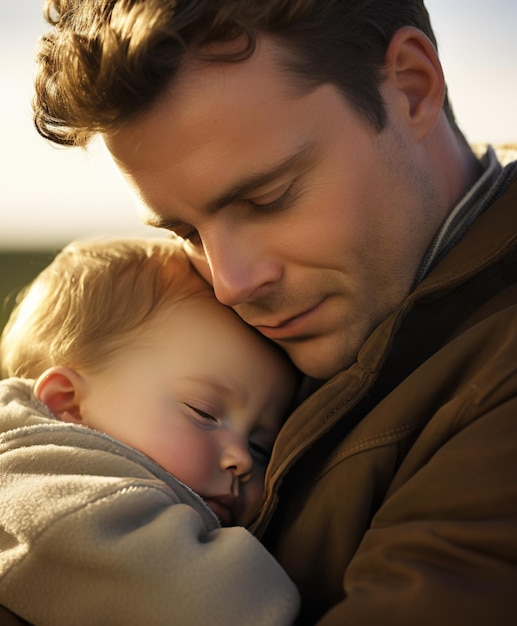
{"x": 492, "y": 183}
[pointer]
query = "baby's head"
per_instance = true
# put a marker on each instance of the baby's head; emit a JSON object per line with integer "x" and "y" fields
{"x": 125, "y": 337}
{"x": 93, "y": 298}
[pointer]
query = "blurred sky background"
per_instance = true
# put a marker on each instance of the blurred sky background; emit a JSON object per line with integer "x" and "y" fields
{"x": 50, "y": 195}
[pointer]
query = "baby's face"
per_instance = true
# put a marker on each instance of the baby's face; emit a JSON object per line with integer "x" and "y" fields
{"x": 203, "y": 395}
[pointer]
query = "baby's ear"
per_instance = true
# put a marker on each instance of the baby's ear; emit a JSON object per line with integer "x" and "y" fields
{"x": 60, "y": 389}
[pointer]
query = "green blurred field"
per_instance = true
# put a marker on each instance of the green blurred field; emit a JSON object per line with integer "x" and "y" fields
{"x": 17, "y": 268}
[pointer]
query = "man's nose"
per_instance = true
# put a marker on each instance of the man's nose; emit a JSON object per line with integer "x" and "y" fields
{"x": 241, "y": 270}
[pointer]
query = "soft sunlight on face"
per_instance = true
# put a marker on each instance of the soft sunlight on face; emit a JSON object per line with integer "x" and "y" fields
{"x": 311, "y": 224}
{"x": 201, "y": 394}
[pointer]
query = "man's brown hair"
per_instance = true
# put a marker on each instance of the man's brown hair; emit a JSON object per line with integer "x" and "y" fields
{"x": 105, "y": 62}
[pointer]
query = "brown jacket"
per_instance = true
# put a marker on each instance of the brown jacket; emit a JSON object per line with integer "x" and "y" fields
{"x": 392, "y": 491}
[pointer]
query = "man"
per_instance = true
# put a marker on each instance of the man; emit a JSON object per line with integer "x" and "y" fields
{"x": 307, "y": 152}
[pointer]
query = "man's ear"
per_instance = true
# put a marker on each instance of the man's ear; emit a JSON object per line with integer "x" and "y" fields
{"x": 60, "y": 388}
{"x": 413, "y": 69}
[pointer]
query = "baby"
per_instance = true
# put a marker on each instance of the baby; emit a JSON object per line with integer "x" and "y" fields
{"x": 136, "y": 424}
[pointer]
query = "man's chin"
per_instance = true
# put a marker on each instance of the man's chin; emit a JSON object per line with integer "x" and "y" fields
{"x": 317, "y": 359}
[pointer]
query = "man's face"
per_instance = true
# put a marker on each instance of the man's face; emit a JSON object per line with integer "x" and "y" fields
{"x": 306, "y": 221}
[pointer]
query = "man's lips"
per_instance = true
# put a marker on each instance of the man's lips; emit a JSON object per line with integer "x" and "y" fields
{"x": 294, "y": 326}
{"x": 224, "y": 506}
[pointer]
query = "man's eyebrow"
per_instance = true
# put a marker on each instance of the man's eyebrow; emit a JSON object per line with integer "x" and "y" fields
{"x": 253, "y": 181}
{"x": 239, "y": 189}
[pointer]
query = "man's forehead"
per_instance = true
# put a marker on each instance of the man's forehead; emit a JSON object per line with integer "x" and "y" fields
{"x": 200, "y": 81}
{"x": 194, "y": 132}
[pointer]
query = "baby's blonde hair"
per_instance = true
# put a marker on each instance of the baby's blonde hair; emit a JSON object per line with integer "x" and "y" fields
{"x": 81, "y": 308}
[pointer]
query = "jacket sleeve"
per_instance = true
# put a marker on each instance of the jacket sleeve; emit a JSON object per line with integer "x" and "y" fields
{"x": 89, "y": 536}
